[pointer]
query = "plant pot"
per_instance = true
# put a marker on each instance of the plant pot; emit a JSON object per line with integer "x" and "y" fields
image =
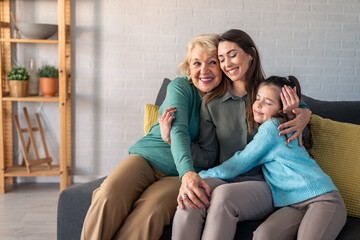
{"x": 49, "y": 86}
{"x": 18, "y": 88}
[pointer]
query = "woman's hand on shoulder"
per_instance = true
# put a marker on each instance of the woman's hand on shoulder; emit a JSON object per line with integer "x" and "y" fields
{"x": 297, "y": 125}
{"x": 165, "y": 124}
{"x": 190, "y": 192}
{"x": 290, "y": 100}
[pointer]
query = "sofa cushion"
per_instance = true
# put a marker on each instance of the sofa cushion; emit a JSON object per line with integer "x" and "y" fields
{"x": 151, "y": 114}
{"x": 336, "y": 150}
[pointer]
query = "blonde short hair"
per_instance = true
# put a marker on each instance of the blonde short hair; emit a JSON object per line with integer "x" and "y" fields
{"x": 206, "y": 42}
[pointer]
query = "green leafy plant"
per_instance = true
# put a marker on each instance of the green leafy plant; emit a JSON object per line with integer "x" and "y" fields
{"x": 48, "y": 71}
{"x": 18, "y": 73}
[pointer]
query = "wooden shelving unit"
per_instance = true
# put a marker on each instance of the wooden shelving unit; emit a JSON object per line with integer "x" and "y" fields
{"x": 31, "y": 99}
{"x": 7, "y": 168}
{"x": 36, "y": 171}
{"x": 28, "y": 41}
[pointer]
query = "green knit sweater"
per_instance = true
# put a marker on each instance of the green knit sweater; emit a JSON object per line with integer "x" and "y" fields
{"x": 174, "y": 160}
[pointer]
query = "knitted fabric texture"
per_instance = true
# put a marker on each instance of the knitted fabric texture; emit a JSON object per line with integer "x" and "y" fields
{"x": 336, "y": 149}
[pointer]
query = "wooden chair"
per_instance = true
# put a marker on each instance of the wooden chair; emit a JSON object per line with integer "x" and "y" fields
{"x": 31, "y": 141}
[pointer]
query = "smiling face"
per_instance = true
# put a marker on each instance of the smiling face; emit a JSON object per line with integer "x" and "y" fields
{"x": 234, "y": 61}
{"x": 205, "y": 71}
{"x": 267, "y": 103}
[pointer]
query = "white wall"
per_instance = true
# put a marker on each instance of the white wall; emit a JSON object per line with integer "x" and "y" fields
{"x": 121, "y": 51}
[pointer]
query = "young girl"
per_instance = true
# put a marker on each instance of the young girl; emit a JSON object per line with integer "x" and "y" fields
{"x": 312, "y": 207}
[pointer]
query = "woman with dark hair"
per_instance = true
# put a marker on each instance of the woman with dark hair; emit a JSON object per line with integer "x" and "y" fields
{"x": 224, "y": 131}
{"x": 236, "y": 42}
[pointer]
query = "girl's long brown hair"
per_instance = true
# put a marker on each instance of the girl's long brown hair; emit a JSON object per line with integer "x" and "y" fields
{"x": 255, "y": 74}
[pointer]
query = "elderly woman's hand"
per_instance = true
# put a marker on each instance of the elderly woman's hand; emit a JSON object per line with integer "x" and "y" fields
{"x": 165, "y": 124}
{"x": 190, "y": 191}
{"x": 297, "y": 125}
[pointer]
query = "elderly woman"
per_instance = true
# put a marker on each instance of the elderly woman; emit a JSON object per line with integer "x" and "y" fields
{"x": 138, "y": 198}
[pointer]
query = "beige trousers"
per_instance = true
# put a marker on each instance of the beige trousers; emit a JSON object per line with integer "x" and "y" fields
{"x": 318, "y": 218}
{"x": 135, "y": 201}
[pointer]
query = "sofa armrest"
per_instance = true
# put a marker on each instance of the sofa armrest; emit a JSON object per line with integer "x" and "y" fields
{"x": 73, "y": 205}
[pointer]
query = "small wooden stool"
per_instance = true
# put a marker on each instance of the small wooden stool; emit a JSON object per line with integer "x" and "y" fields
{"x": 31, "y": 140}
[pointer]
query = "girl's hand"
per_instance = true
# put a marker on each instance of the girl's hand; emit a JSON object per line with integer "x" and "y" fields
{"x": 165, "y": 124}
{"x": 290, "y": 100}
{"x": 297, "y": 125}
{"x": 190, "y": 191}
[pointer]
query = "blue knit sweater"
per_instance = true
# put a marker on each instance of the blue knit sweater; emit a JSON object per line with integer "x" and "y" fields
{"x": 290, "y": 172}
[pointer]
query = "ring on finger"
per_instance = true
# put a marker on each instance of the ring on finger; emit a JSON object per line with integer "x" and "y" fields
{"x": 184, "y": 195}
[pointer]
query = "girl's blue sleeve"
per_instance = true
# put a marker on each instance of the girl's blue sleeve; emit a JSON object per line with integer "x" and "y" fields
{"x": 257, "y": 152}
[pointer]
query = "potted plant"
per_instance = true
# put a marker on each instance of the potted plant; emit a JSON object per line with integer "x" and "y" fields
{"x": 49, "y": 80}
{"x": 18, "y": 79}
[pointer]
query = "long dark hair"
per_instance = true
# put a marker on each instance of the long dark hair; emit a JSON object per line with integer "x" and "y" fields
{"x": 255, "y": 74}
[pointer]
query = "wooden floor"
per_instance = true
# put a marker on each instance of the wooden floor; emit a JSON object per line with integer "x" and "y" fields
{"x": 28, "y": 211}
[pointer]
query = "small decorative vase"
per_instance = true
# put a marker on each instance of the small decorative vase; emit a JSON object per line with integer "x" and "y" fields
{"x": 49, "y": 86}
{"x": 18, "y": 88}
{"x": 34, "y": 80}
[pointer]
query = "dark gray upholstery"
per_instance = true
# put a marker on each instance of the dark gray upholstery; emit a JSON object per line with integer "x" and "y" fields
{"x": 162, "y": 92}
{"x": 72, "y": 208}
{"x": 74, "y": 201}
{"x": 342, "y": 111}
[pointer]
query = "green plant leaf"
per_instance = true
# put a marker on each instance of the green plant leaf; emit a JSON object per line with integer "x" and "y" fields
{"x": 18, "y": 73}
{"x": 48, "y": 71}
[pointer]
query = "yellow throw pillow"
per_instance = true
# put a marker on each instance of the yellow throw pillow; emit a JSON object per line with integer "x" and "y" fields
{"x": 151, "y": 115}
{"x": 336, "y": 148}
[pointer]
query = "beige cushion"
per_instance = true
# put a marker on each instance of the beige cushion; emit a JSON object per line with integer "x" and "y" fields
{"x": 336, "y": 148}
{"x": 151, "y": 114}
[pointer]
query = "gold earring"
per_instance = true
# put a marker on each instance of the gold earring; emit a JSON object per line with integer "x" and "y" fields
{"x": 189, "y": 79}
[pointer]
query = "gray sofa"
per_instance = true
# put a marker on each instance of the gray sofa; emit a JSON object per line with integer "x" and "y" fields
{"x": 75, "y": 201}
